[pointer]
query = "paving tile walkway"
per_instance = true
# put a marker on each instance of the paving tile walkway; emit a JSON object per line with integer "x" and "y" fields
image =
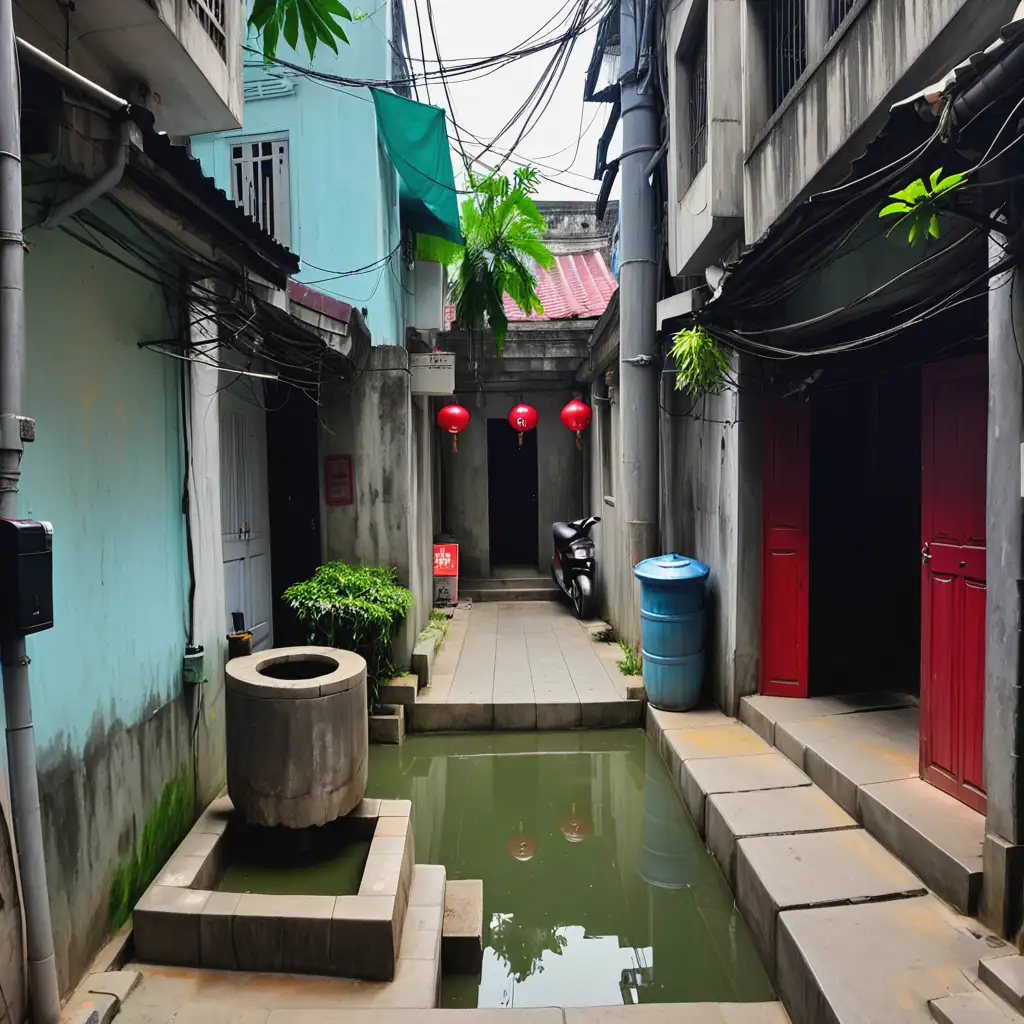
{"x": 524, "y": 664}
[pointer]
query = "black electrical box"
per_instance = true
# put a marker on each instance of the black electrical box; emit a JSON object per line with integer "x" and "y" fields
{"x": 26, "y": 569}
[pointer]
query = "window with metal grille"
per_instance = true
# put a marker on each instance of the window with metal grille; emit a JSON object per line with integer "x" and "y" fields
{"x": 787, "y": 39}
{"x": 211, "y": 16}
{"x": 697, "y": 79}
{"x": 837, "y": 12}
{"x": 259, "y": 184}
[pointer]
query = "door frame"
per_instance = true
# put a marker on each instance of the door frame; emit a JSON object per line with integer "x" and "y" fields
{"x": 792, "y": 416}
{"x": 971, "y": 558}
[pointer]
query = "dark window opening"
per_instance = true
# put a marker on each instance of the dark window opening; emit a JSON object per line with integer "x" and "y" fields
{"x": 787, "y": 39}
{"x": 697, "y": 73}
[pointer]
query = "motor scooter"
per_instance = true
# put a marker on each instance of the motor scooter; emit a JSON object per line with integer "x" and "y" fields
{"x": 574, "y": 563}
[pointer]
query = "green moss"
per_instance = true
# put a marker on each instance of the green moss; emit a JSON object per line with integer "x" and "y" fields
{"x": 165, "y": 827}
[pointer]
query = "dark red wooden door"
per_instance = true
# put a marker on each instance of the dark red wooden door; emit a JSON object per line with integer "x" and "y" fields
{"x": 785, "y": 549}
{"x": 954, "y": 444}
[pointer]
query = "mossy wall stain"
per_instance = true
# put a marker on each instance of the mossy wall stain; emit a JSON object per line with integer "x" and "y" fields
{"x": 164, "y": 828}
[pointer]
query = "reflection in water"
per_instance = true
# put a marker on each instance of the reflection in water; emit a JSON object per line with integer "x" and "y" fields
{"x": 636, "y": 913}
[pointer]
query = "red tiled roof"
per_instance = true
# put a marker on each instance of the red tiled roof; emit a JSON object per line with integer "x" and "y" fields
{"x": 578, "y": 285}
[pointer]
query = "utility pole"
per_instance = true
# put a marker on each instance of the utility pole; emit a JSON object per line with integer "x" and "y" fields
{"x": 44, "y": 994}
{"x": 638, "y": 283}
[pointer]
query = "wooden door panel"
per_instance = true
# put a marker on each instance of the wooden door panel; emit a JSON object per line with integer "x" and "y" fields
{"x": 784, "y": 575}
{"x": 954, "y": 442}
{"x": 941, "y": 713}
{"x": 973, "y": 703}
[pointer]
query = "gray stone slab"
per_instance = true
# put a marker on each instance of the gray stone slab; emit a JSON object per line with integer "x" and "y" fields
{"x": 680, "y": 1013}
{"x": 1005, "y": 976}
{"x": 559, "y": 715}
{"x": 216, "y": 934}
{"x": 113, "y": 983}
{"x": 422, "y": 661}
{"x": 611, "y": 714}
{"x": 842, "y": 752}
{"x": 700, "y": 777}
{"x": 96, "y": 1008}
{"x": 462, "y": 946}
{"x": 387, "y": 725}
{"x": 515, "y": 715}
{"x": 734, "y": 816}
{"x": 187, "y": 872}
{"x": 364, "y": 942}
{"x": 762, "y": 713}
{"x": 283, "y": 933}
{"x": 971, "y": 1008}
{"x": 877, "y": 962}
{"x": 166, "y": 925}
{"x": 777, "y": 873}
{"x": 428, "y": 885}
{"x": 401, "y": 690}
{"x": 936, "y": 836}
{"x": 450, "y": 717}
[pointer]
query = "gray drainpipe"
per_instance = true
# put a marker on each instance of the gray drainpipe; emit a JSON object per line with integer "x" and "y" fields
{"x": 103, "y": 184}
{"x": 44, "y": 993}
{"x": 639, "y": 371}
{"x": 15, "y": 429}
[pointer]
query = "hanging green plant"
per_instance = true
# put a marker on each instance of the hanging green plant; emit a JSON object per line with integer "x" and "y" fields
{"x": 357, "y": 608}
{"x": 915, "y": 205}
{"x": 701, "y": 363}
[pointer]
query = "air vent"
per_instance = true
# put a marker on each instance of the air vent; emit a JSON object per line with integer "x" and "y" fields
{"x": 268, "y": 88}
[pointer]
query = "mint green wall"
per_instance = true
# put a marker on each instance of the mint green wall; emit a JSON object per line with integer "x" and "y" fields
{"x": 344, "y": 194}
{"x": 106, "y": 469}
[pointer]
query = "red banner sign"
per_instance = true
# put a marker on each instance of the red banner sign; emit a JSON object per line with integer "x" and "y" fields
{"x": 339, "y": 480}
{"x": 446, "y": 559}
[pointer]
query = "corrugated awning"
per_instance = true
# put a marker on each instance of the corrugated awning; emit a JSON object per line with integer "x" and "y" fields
{"x": 416, "y": 140}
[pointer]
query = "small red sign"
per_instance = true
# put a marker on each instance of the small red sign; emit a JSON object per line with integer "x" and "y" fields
{"x": 339, "y": 480}
{"x": 446, "y": 559}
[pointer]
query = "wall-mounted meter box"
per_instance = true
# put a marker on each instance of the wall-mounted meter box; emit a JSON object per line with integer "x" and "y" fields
{"x": 26, "y": 568}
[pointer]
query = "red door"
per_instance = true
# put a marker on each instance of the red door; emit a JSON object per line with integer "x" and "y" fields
{"x": 785, "y": 549}
{"x": 954, "y": 445}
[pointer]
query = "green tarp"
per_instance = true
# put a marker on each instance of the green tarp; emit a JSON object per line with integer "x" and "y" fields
{"x": 416, "y": 139}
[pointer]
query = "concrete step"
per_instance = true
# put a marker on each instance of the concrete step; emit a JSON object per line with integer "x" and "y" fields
{"x": 462, "y": 937}
{"x": 971, "y": 1008}
{"x": 510, "y": 590}
{"x": 1005, "y": 976}
{"x": 936, "y": 836}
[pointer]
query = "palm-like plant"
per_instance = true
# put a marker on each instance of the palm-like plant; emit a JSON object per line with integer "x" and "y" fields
{"x": 503, "y": 230}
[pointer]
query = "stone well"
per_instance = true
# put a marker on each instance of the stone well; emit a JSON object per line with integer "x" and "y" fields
{"x": 296, "y": 735}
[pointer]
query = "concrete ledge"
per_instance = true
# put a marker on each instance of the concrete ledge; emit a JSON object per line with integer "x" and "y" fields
{"x": 676, "y": 1013}
{"x": 877, "y": 961}
{"x": 735, "y": 816}
{"x": 422, "y": 661}
{"x": 352, "y": 936}
{"x": 777, "y": 873}
{"x": 1005, "y": 976}
{"x": 936, "y": 836}
{"x": 611, "y": 714}
{"x": 450, "y": 717}
{"x": 462, "y": 941}
{"x": 701, "y": 777}
{"x": 402, "y": 690}
{"x": 515, "y": 715}
{"x": 388, "y": 725}
{"x": 762, "y": 714}
{"x": 969, "y": 1008}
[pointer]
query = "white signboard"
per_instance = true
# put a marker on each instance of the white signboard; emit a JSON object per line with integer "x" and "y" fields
{"x": 433, "y": 373}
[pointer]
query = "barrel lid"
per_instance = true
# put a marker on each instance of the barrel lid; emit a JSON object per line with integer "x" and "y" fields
{"x": 666, "y": 568}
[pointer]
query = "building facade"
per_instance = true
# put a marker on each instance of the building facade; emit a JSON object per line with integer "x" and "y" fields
{"x": 837, "y": 483}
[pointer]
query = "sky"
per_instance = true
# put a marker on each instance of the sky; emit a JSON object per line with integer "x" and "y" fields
{"x": 480, "y": 28}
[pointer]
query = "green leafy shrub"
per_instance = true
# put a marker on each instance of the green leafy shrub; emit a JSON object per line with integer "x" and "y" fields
{"x": 632, "y": 662}
{"x": 701, "y": 365}
{"x": 353, "y": 607}
{"x": 916, "y": 208}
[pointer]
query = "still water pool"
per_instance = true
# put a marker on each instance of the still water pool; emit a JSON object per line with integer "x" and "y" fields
{"x": 597, "y": 889}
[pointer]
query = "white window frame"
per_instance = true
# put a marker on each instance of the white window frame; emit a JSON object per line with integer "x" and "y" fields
{"x": 257, "y": 160}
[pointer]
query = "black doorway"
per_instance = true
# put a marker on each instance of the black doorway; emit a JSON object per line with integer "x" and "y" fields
{"x": 512, "y": 494}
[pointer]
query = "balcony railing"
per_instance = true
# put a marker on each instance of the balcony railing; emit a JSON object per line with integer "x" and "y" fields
{"x": 787, "y": 40}
{"x": 837, "y": 12}
{"x": 211, "y": 16}
{"x": 698, "y": 112}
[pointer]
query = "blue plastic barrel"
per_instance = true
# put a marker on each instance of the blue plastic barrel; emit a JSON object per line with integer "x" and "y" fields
{"x": 672, "y": 590}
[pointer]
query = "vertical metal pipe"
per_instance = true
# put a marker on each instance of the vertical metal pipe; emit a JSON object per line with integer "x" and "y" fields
{"x": 638, "y": 369}
{"x": 44, "y": 993}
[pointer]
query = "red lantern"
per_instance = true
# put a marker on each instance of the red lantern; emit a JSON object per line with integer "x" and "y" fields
{"x": 576, "y": 416}
{"x": 523, "y": 417}
{"x": 454, "y": 419}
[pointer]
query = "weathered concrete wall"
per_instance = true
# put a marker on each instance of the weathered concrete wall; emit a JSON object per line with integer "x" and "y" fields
{"x": 464, "y": 476}
{"x": 377, "y": 421}
{"x": 13, "y": 995}
{"x": 893, "y": 48}
{"x": 112, "y": 722}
